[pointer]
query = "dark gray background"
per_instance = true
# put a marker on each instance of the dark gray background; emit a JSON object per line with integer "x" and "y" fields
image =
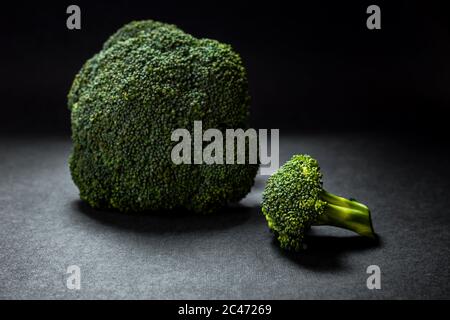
{"x": 371, "y": 106}
{"x": 230, "y": 255}
{"x": 312, "y": 65}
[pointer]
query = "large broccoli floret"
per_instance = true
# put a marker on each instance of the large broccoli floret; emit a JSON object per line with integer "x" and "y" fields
{"x": 294, "y": 200}
{"x": 149, "y": 79}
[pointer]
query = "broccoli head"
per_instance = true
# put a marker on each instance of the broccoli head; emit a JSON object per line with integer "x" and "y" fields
{"x": 294, "y": 200}
{"x": 149, "y": 79}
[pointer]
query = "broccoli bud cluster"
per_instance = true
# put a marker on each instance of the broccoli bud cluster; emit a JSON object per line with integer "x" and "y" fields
{"x": 149, "y": 79}
{"x": 291, "y": 200}
{"x": 294, "y": 200}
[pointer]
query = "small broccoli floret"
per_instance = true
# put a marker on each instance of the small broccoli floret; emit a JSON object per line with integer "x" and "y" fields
{"x": 149, "y": 79}
{"x": 294, "y": 200}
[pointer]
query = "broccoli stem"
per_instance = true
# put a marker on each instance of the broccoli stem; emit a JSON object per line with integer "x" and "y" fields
{"x": 348, "y": 214}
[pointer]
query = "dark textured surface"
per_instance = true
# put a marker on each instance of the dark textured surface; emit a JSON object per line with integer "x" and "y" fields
{"x": 44, "y": 228}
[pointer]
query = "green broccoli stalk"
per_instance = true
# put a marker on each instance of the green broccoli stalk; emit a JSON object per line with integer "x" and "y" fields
{"x": 294, "y": 200}
{"x": 347, "y": 214}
